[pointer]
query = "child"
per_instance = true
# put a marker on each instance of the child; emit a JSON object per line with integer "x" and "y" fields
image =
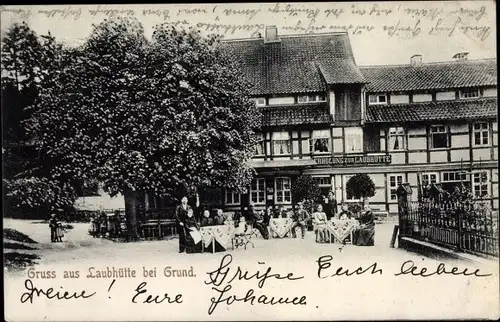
{"x": 219, "y": 218}
{"x": 345, "y": 214}
{"x": 319, "y": 222}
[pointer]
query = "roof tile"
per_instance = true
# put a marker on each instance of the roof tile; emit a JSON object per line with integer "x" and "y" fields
{"x": 433, "y": 111}
{"x": 295, "y": 115}
{"x": 445, "y": 75}
{"x": 298, "y": 63}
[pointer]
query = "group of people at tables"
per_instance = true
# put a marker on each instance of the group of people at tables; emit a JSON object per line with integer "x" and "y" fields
{"x": 188, "y": 226}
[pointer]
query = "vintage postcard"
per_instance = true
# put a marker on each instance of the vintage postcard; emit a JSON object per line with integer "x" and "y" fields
{"x": 250, "y": 161}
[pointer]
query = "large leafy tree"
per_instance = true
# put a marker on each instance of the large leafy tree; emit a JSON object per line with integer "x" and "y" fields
{"x": 28, "y": 62}
{"x": 154, "y": 116}
{"x": 305, "y": 189}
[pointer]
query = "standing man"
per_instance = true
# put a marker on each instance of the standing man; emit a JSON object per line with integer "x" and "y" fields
{"x": 180, "y": 216}
{"x": 330, "y": 205}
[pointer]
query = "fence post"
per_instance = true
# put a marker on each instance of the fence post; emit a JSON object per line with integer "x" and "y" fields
{"x": 404, "y": 198}
{"x": 459, "y": 226}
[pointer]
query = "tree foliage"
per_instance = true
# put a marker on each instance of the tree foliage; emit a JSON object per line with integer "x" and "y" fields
{"x": 360, "y": 186}
{"x": 28, "y": 63}
{"x": 163, "y": 116}
{"x": 149, "y": 116}
{"x": 305, "y": 188}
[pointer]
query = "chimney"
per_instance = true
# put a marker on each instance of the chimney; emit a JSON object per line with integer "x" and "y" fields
{"x": 460, "y": 56}
{"x": 271, "y": 34}
{"x": 416, "y": 60}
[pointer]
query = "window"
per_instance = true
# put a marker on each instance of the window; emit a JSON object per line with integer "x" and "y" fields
{"x": 439, "y": 137}
{"x": 283, "y": 193}
{"x": 259, "y": 145}
{"x": 429, "y": 178}
{"x": 260, "y": 101}
{"x": 311, "y": 98}
{"x": 394, "y": 182}
{"x": 281, "y": 143}
{"x": 469, "y": 93}
{"x": 397, "y": 138}
{"x": 377, "y": 99}
{"x": 258, "y": 191}
{"x": 481, "y": 134}
{"x": 450, "y": 180}
{"x": 480, "y": 184}
{"x": 324, "y": 184}
{"x": 232, "y": 198}
{"x": 320, "y": 141}
{"x": 353, "y": 140}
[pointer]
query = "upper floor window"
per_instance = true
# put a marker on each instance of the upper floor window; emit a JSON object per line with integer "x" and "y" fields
{"x": 258, "y": 191}
{"x": 259, "y": 145}
{"x": 377, "y": 99}
{"x": 260, "y": 101}
{"x": 311, "y": 98}
{"x": 320, "y": 141}
{"x": 481, "y": 134}
{"x": 282, "y": 100}
{"x": 439, "y": 137}
{"x": 353, "y": 139}
{"x": 281, "y": 143}
{"x": 396, "y": 138}
{"x": 469, "y": 93}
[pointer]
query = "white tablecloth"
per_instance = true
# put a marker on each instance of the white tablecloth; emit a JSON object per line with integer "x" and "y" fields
{"x": 281, "y": 226}
{"x": 221, "y": 233}
{"x": 341, "y": 229}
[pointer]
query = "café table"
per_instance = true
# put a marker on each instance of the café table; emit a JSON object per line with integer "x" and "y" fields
{"x": 341, "y": 229}
{"x": 222, "y": 234}
{"x": 280, "y": 227}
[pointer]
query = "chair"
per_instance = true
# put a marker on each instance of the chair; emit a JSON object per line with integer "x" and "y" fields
{"x": 243, "y": 239}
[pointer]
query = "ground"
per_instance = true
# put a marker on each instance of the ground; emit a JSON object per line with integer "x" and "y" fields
{"x": 78, "y": 246}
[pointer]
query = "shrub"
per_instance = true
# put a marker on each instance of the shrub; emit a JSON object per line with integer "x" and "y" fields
{"x": 360, "y": 186}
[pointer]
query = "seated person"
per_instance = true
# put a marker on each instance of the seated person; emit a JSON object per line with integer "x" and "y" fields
{"x": 192, "y": 233}
{"x": 319, "y": 222}
{"x": 280, "y": 213}
{"x": 219, "y": 218}
{"x": 299, "y": 218}
{"x": 206, "y": 220}
{"x": 268, "y": 214}
{"x": 257, "y": 221}
{"x": 345, "y": 214}
{"x": 364, "y": 235}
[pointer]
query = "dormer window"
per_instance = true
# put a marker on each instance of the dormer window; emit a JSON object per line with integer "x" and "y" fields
{"x": 469, "y": 93}
{"x": 311, "y": 98}
{"x": 260, "y": 101}
{"x": 379, "y": 99}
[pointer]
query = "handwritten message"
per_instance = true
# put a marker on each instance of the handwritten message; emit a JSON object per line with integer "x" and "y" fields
{"x": 407, "y": 20}
{"x": 229, "y": 282}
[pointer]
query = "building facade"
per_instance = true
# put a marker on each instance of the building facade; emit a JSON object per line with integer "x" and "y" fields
{"x": 325, "y": 116}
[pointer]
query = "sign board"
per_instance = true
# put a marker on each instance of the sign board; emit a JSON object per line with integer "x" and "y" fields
{"x": 354, "y": 160}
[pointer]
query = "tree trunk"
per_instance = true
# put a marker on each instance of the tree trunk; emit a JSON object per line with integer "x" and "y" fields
{"x": 130, "y": 197}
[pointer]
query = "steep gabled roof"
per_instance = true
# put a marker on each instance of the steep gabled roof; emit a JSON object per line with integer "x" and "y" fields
{"x": 469, "y": 73}
{"x": 297, "y": 63}
{"x": 433, "y": 111}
